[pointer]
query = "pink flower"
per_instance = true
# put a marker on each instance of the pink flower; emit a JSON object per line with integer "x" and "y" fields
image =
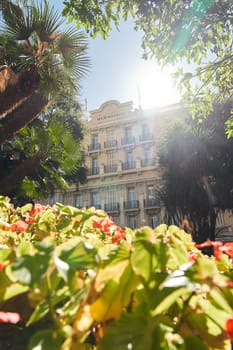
{"x": 20, "y": 226}
{"x": 9, "y": 317}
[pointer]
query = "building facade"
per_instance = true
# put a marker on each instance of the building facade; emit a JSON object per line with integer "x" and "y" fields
{"x": 122, "y": 162}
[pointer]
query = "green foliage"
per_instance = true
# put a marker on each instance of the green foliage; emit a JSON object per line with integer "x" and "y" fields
{"x": 194, "y": 34}
{"x": 56, "y": 138}
{"x": 41, "y": 45}
{"x": 197, "y": 158}
{"x": 83, "y": 288}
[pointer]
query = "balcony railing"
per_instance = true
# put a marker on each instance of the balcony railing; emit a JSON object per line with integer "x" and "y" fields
{"x": 110, "y": 168}
{"x": 133, "y": 204}
{"x": 130, "y": 140}
{"x": 111, "y": 207}
{"x": 146, "y": 137}
{"x": 148, "y": 162}
{"x": 97, "y": 206}
{"x": 128, "y": 165}
{"x": 94, "y": 147}
{"x": 110, "y": 144}
{"x": 93, "y": 171}
{"x": 151, "y": 203}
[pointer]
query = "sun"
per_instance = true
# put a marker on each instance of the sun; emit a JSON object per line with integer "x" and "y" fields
{"x": 155, "y": 87}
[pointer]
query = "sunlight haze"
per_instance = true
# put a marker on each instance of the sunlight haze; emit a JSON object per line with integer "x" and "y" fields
{"x": 118, "y": 71}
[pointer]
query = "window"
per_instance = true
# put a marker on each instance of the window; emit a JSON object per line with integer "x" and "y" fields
{"x": 148, "y": 156}
{"x": 95, "y": 169}
{"x": 129, "y": 160}
{"x": 110, "y": 158}
{"x": 151, "y": 192}
{"x": 128, "y": 135}
{"x": 153, "y": 221}
{"x": 148, "y": 153}
{"x": 95, "y": 142}
{"x": 145, "y": 132}
{"x": 132, "y": 221}
{"x": 53, "y": 199}
{"x": 78, "y": 201}
{"x": 110, "y": 134}
{"x": 95, "y": 199}
{"x": 111, "y": 194}
{"x": 131, "y": 194}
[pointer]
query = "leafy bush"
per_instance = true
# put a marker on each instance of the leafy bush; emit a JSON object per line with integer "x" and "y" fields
{"x": 72, "y": 279}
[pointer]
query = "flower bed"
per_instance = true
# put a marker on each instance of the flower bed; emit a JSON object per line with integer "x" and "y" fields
{"x": 72, "y": 279}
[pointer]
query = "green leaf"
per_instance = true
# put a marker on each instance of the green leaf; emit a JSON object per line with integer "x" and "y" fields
{"x": 80, "y": 256}
{"x": 62, "y": 267}
{"x": 29, "y": 269}
{"x": 143, "y": 253}
{"x": 192, "y": 342}
{"x": 43, "y": 308}
{"x": 141, "y": 259}
{"x": 168, "y": 301}
{"x": 5, "y": 254}
{"x": 13, "y": 290}
{"x": 45, "y": 340}
{"x": 132, "y": 331}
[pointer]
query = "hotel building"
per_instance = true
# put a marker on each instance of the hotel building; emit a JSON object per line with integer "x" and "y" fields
{"x": 122, "y": 161}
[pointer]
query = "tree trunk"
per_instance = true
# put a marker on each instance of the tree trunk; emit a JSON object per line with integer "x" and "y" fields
{"x": 26, "y": 168}
{"x": 23, "y": 115}
{"x": 18, "y": 90}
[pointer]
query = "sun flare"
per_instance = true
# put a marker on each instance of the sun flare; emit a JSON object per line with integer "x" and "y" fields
{"x": 155, "y": 87}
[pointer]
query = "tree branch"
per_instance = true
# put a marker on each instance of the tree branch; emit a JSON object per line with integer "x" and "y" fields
{"x": 23, "y": 115}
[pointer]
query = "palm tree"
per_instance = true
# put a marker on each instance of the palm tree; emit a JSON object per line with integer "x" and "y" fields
{"x": 37, "y": 60}
{"x": 197, "y": 167}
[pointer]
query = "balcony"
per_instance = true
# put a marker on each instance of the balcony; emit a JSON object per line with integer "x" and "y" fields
{"x": 151, "y": 203}
{"x": 130, "y": 140}
{"x": 97, "y": 206}
{"x": 112, "y": 207}
{"x": 145, "y": 137}
{"x": 110, "y": 144}
{"x": 93, "y": 171}
{"x": 94, "y": 147}
{"x": 129, "y": 165}
{"x": 131, "y": 205}
{"x": 148, "y": 162}
{"x": 110, "y": 168}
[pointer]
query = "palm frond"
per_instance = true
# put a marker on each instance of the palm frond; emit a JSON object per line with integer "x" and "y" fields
{"x": 20, "y": 22}
{"x": 72, "y": 46}
{"x": 48, "y": 22}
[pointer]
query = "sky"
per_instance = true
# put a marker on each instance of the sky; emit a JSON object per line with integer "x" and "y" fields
{"x": 118, "y": 71}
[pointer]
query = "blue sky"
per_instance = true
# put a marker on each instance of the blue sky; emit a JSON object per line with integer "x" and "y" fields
{"x": 118, "y": 72}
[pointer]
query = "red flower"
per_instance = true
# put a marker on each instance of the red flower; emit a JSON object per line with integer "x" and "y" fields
{"x": 230, "y": 284}
{"x": 30, "y": 220}
{"x": 1, "y": 267}
{"x": 4, "y": 225}
{"x": 104, "y": 225}
{"x": 37, "y": 209}
{"x": 228, "y": 249}
{"x": 20, "y": 226}
{"x": 192, "y": 256}
{"x": 119, "y": 235}
{"x": 229, "y": 328}
{"x": 9, "y": 317}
